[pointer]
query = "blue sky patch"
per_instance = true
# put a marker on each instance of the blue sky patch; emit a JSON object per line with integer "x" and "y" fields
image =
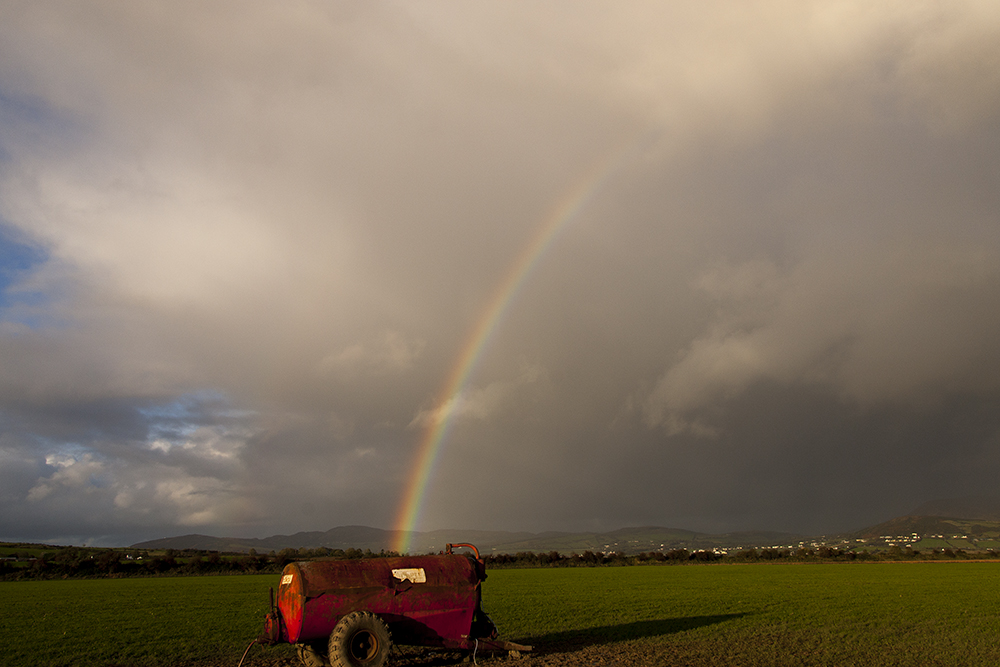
{"x": 17, "y": 259}
{"x": 174, "y": 421}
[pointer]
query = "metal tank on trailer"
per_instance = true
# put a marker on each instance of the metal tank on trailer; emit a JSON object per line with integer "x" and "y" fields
{"x": 348, "y": 612}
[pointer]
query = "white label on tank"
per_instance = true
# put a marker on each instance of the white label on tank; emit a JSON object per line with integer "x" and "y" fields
{"x": 287, "y": 579}
{"x": 414, "y": 574}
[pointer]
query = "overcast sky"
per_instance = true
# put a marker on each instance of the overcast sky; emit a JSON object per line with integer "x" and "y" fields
{"x": 244, "y": 246}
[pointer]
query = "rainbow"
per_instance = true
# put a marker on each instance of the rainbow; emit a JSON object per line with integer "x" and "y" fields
{"x": 433, "y": 438}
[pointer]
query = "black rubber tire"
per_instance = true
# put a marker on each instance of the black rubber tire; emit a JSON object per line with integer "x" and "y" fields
{"x": 311, "y": 655}
{"x": 361, "y": 639}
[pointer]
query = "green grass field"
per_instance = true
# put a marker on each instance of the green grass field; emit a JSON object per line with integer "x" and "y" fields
{"x": 132, "y": 622}
{"x": 762, "y": 614}
{"x": 943, "y": 613}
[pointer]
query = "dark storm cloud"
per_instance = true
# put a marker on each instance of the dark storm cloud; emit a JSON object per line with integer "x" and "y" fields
{"x": 261, "y": 239}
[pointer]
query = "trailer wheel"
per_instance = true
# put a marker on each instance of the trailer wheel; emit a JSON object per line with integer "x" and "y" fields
{"x": 311, "y": 655}
{"x": 361, "y": 639}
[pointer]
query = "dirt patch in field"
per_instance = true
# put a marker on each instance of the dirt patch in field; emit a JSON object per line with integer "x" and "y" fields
{"x": 624, "y": 644}
{"x": 627, "y": 653}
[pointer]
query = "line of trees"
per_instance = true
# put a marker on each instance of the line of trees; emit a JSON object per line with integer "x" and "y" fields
{"x": 832, "y": 553}
{"x": 594, "y": 559}
{"x": 677, "y": 556}
{"x": 89, "y": 562}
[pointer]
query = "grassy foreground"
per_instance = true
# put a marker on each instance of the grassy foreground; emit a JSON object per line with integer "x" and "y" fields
{"x": 761, "y": 614}
{"x": 753, "y": 614}
{"x": 132, "y": 622}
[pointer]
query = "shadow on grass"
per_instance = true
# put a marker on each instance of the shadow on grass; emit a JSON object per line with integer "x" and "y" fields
{"x": 568, "y": 641}
{"x": 574, "y": 640}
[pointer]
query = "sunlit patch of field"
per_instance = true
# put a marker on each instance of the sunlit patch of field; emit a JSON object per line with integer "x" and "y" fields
{"x": 943, "y": 613}
{"x": 131, "y": 622}
{"x": 761, "y": 614}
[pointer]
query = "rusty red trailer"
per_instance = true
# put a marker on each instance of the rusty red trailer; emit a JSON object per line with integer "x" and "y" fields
{"x": 347, "y": 612}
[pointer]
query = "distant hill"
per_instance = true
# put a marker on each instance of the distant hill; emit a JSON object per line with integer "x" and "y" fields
{"x": 969, "y": 515}
{"x": 975, "y": 516}
{"x": 928, "y": 526}
{"x": 343, "y": 537}
{"x": 967, "y": 507}
{"x": 626, "y": 540}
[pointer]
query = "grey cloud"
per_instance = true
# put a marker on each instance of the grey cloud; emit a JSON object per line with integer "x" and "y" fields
{"x": 267, "y": 236}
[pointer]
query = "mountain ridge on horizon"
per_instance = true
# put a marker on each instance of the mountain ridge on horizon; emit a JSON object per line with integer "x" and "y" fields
{"x": 627, "y": 540}
{"x": 934, "y": 516}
